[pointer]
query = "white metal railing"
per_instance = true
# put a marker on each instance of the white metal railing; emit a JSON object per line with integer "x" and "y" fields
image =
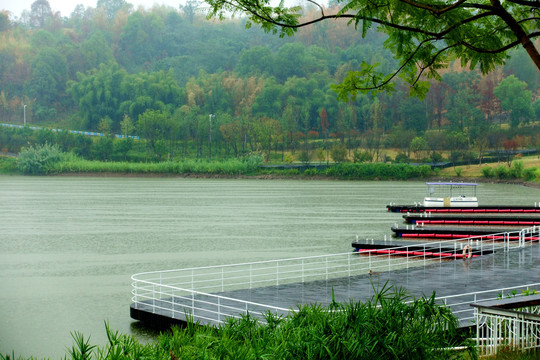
{"x": 196, "y": 291}
{"x": 460, "y": 304}
{"x": 498, "y": 327}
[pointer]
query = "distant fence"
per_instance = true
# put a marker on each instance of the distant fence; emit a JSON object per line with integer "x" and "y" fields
{"x": 87, "y": 133}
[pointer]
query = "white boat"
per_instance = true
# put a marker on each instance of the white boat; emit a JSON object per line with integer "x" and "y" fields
{"x": 450, "y": 194}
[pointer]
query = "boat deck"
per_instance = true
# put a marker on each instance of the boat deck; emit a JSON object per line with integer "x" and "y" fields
{"x": 419, "y": 208}
{"x": 521, "y": 219}
{"x": 454, "y": 232}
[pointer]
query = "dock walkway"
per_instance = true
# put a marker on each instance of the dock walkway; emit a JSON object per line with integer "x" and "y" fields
{"x": 446, "y": 278}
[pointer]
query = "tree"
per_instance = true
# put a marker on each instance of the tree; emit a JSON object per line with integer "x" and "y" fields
{"x": 190, "y": 9}
{"x": 424, "y": 36}
{"x": 418, "y": 146}
{"x": 515, "y": 99}
{"x": 40, "y": 13}
{"x": 111, "y": 7}
{"x": 151, "y": 126}
{"x": 47, "y": 85}
{"x": 5, "y": 24}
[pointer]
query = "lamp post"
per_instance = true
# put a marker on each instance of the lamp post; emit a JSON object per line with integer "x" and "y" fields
{"x": 24, "y": 114}
{"x": 211, "y": 116}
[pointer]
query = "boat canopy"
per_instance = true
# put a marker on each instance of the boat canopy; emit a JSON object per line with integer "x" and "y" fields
{"x": 451, "y": 183}
{"x": 452, "y": 189}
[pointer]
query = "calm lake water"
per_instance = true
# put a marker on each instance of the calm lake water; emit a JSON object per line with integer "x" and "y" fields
{"x": 69, "y": 245}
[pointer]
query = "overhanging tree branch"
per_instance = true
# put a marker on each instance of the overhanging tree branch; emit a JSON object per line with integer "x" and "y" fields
{"x": 481, "y": 33}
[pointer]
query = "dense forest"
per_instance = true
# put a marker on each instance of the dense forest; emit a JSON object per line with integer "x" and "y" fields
{"x": 191, "y": 87}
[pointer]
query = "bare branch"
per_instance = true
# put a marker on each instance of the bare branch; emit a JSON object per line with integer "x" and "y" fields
{"x": 319, "y": 6}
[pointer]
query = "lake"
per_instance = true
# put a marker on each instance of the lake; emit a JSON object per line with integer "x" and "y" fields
{"x": 70, "y": 244}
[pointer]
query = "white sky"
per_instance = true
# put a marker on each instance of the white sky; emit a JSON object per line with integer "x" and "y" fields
{"x": 16, "y": 7}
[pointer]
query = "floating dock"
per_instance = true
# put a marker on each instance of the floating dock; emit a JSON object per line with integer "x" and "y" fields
{"x": 504, "y": 219}
{"x": 420, "y": 251}
{"x": 419, "y": 208}
{"x": 455, "y": 232}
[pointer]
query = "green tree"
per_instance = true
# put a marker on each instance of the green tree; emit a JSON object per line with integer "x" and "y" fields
{"x": 423, "y": 36}
{"x": 257, "y": 60}
{"x": 338, "y": 152}
{"x": 418, "y": 146}
{"x": 47, "y": 85}
{"x": 152, "y": 126}
{"x": 515, "y": 99}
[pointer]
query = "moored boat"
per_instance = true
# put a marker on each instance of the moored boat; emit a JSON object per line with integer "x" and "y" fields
{"x": 450, "y": 194}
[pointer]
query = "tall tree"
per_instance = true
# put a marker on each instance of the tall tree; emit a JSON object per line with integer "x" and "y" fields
{"x": 516, "y": 99}
{"x": 423, "y": 35}
{"x": 111, "y": 7}
{"x": 40, "y": 13}
{"x": 190, "y": 9}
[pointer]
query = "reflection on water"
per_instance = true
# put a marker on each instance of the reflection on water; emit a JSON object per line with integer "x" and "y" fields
{"x": 70, "y": 244}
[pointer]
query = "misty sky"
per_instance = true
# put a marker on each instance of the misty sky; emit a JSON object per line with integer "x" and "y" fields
{"x": 15, "y": 7}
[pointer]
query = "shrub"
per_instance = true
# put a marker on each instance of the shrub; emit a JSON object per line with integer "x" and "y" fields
{"x": 487, "y": 172}
{"x": 38, "y": 160}
{"x": 8, "y": 165}
{"x": 288, "y": 158}
{"x": 304, "y": 156}
{"x": 402, "y": 158}
{"x": 501, "y": 172}
{"x": 362, "y": 156}
{"x": 458, "y": 171}
{"x": 436, "y": 157}
{"x": 530, "y": 174}
{"x": 516, "y": 170}
{"x": 338, "y": 153}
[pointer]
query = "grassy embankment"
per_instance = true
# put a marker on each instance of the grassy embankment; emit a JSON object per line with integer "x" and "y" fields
{"x": 48, "y": 160}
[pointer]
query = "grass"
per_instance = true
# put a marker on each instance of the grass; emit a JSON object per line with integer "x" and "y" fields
{"x": 475, "y": 170}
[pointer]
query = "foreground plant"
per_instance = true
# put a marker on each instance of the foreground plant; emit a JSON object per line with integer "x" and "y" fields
{"x": 390, "y": 325}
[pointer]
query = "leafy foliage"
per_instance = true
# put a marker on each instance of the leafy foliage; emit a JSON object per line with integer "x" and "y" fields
{"x": 390, "y": 325}
{"x": 38, "y": 160}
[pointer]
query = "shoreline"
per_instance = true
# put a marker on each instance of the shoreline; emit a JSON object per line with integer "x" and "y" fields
{"x": 482, "y": 180}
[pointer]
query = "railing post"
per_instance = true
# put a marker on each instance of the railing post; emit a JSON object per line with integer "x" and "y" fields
{"x": 302, "y": 271}
{"x": 135, "y": 293}
{"x": 349, "y": 263}
{"x": 250, "y": 276}
{"x": 172, "y": 303}
{"x": 326, "y": 266}
{"x": 222, "y": 279}
{"x": 153, "y": 298}
{"x": 277, "y": 273}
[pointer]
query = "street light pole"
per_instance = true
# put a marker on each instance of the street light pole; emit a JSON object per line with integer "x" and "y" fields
{"x": 210, "y": 133}
{"x": 24, "y": 116}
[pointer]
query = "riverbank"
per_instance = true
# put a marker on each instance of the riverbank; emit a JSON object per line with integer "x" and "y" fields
{"x": 518, "y": 173}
